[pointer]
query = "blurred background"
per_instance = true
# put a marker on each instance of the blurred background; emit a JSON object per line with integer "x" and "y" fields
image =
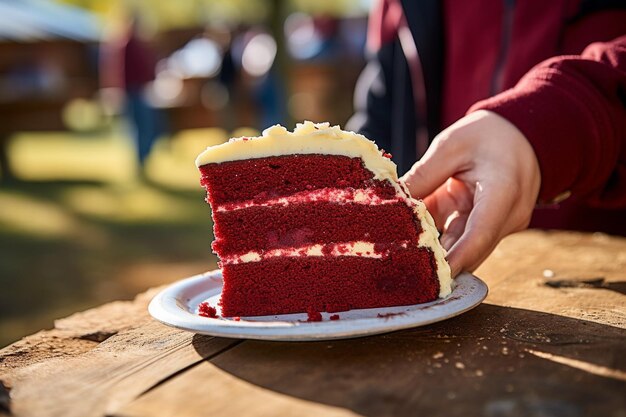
{"x": 104, "y": 105}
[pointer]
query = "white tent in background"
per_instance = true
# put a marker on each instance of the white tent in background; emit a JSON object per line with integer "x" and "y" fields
{"x": 36, "y": 20}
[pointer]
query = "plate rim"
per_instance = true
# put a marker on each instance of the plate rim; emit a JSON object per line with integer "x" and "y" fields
{"x": 166, "y": 307}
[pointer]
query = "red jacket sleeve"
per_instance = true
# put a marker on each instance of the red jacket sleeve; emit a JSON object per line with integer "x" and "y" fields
{"x": 572, "y": 109}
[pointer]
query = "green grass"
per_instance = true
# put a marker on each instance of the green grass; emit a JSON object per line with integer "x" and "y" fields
{"x": 79, "y": 229}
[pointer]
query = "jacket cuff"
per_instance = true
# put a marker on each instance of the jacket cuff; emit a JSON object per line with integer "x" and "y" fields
{"x": 556, "y": 114}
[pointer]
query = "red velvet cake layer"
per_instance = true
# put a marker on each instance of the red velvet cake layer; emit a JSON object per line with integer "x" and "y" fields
{"x": 266, "y": 178}
{"x": 246, "y": 219}
{"x": 257, "y": 228}
{"x": 296, "y": 285}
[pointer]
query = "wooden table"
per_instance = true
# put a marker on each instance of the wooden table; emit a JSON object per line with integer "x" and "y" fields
{"x": 550, "y": 340}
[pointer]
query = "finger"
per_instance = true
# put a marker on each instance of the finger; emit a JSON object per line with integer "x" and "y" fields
{"x": 483, "y": 230}
{"x": 436, "y": 204}
{"x": 442, "y": 160}
{"x": 453, "y": 229}
{"x": 453, "y": 196}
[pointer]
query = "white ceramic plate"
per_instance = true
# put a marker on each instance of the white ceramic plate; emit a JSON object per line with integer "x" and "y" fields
{"x": 177, "y": 306}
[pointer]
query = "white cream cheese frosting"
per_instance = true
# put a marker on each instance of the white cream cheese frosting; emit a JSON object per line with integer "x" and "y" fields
{"x": 321, "y": 138}
{"x": 307, "y": 138}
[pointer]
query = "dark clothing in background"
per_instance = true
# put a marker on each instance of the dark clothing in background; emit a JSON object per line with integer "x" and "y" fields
{"x": 433, "y": 61}
{"x": 139, "y": 64}
{"x": 129, "y": 64}
{"x": 146, "y": 124}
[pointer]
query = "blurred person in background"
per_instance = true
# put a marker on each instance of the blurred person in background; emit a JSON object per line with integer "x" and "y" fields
{"x": 127, "y": 69}
{"x": 507, "y": 103}
{"x": 256, "y": 50}
{"x": 228, "y": 76}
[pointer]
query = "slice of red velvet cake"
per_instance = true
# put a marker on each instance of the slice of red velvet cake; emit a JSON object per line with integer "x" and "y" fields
{"x": 316, "y": 220}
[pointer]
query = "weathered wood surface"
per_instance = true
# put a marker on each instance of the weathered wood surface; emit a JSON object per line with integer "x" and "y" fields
{"x": 543, "y": 344}
{"x": 54, "y": 374}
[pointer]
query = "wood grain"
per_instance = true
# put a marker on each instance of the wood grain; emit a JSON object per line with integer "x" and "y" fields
{"x": 532, "y": 349}
{"x": 482, "y": 363}
{"x": 520, "y": 269}
{"x": 77, "y": 334}
{"x": 545, "y": 343}
{"x": 65, "y": 372}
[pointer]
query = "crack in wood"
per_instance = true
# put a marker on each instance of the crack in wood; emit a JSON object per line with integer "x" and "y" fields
{"x": 577, "y": 283}
{"x": 599, "y": 282}
{"x": 183, "y": 370}
{"x": 99, "y": 336}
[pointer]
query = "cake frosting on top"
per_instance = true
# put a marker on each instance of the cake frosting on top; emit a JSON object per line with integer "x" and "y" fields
{"x": 307, "y": 138}
{"x": 317, "y": 201}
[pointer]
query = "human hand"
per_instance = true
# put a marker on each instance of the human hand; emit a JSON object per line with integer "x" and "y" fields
{"x": 480, "y": 181}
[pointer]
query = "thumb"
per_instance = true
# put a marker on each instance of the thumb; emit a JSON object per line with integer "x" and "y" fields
{"x": 441, "y": 161}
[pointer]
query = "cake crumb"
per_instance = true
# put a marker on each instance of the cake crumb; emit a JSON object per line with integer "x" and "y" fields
{"x": 438, "y": 355}
{"x": 205, "y": 310}
{"x": 313, "y": 316}
{"x": 334, "y": 317}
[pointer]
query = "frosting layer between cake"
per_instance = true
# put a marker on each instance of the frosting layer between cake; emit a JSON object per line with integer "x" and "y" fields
{"x": 359, "y": 248}
{"x": 329, "y": 195}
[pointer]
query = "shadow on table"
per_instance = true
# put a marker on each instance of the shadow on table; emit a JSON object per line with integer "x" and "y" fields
{"x": 491, "y": 361}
